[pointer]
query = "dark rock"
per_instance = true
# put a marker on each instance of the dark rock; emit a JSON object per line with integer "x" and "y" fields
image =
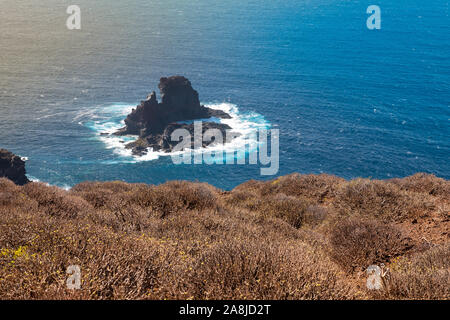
{"x": 12, "y": 167}
{"x": 179, "y": 102}
{"x": 154, "y": 121}
{"x": 163, "y": 141}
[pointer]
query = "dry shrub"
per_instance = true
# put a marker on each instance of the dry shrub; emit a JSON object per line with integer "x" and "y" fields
{"x": 176, "y": 197}
{"x": 171, "y": 264}
{"x": 181, "y": 195}
{"x": 7, "y": 185}
{"x": 294, "y": 210}
{"x": 185, "y": 240}
{"x": 115, "y": 204}
{"x": 379, "y": 199}
{"x": 424, "y": 183}
{"x": 101, "y": 194}
{"x": 251, "y": 186}
{"x": 241, "y": 198}
{"x": 244, "y": 199}
{"x": 122, "y": 218}
{"x": 133, "y": 207}
{"x": 357, "y": 243}
{"x": 288, "y": 208}
{"x": 16, "y": 228}
{"x": 112, "y": 265}
{"x": 55, "y": 201}
{"x": 112, "y": 186}
{"x": 315, "y": 215}
{"x": 315, "y": 187}
{"x": 242, "y": 270}
{"x": 425, "y": 275}
{"x": 13, "y": 199}
{"x": 164, "y": 199}
{"x": 122, "y": 267}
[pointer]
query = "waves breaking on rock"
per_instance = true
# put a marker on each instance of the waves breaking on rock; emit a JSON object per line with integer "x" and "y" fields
{"x": 105, "y": 120}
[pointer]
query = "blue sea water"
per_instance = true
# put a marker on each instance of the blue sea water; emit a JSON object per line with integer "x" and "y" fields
{"x": 347, "y": 100}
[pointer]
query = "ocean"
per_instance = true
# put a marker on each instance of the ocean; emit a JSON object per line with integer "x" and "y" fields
{"x": 347, "y": 100}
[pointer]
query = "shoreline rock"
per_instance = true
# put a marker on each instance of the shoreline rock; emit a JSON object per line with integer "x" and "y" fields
{"x": 12, "y": 167}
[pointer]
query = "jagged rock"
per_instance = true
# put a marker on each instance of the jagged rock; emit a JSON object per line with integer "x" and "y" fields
{"x": 179, "y": 102}
{"x": 154, "y": 121}
{"x": 12, "y": 167}
{"x": 163, "y": 141}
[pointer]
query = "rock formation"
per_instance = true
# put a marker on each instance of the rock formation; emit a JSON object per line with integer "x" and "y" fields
{"x": 12, "y": 167}
{"x": 164, "y": 142}
{"x": 154, "y": 121}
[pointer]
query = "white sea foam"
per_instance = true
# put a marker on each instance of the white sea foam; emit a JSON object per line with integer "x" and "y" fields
{"x": 33, "y": 179}
{"x": 62, "y": 186}
{"x": 106, "y": 120}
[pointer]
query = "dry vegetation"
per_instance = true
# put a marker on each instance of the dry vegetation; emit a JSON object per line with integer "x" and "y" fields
{"x": 296, "y": 237}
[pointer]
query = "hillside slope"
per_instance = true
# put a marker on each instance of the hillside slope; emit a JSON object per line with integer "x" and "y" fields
{"x": 295, "y": 237}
